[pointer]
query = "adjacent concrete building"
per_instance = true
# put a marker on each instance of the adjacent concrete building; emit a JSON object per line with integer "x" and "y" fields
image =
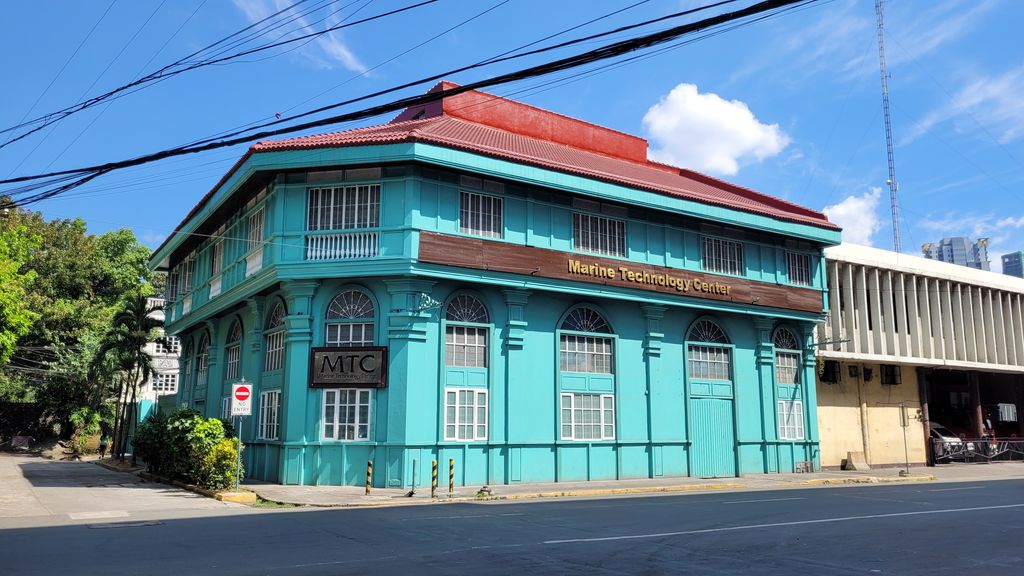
{"x": 485, "y": 281}
{"x": 942, "y": 342}
{"x": 959, "y": 250}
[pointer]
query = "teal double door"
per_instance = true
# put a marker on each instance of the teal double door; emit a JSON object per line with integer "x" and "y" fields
{"x": 712, "y": 430}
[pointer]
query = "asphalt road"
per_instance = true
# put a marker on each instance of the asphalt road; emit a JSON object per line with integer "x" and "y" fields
{"x": 968, "y": 528}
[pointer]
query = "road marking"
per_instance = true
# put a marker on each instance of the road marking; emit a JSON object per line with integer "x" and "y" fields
{"x": 98, "y": 515}
{"x": 125, "y": 524}
{"x": 765, "y": 500}
{"x": 778, "y": 524}
{"x": 964, "y": 488}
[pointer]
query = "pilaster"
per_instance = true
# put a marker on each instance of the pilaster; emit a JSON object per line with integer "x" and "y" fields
{"x": 765, "y": 355}
{"x": 295, "y": 397}
{"x": 653, "y": 336}
{"x": 516, "y": 366}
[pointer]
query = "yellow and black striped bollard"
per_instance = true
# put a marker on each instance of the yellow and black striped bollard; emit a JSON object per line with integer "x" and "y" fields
{"x": 433, "y": 478}
{"x": 451, "y": 476}
{"x": 369, "y": 476}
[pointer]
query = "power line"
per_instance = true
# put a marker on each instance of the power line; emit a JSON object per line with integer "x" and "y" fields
{"x": 603, "y": 53}
{"x": 166, "y": 72}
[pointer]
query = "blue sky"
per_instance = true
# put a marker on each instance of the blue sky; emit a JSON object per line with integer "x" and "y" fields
{"x": 790, "y": 106}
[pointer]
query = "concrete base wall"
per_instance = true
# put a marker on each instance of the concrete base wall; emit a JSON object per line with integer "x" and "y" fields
{"x": 879, "y": 435}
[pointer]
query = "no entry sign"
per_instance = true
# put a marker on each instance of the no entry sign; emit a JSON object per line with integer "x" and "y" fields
{"x": 241, "y": 399}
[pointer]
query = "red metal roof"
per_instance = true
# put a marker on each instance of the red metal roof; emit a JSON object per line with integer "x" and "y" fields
{"x": 483, "y": 124}
{"x": 493, "y": 126}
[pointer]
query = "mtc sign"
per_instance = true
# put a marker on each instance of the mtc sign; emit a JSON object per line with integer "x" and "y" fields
{"x": 364, "y": 367}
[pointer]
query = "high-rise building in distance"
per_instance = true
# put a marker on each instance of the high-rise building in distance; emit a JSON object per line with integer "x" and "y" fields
{"x": 1013, "y": 264}
{"x": 959, "y": 250}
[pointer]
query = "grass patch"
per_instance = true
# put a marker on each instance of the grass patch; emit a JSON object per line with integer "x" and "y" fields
{"x": 264, "y": 503}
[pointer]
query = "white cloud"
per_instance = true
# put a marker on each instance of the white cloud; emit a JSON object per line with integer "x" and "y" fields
{"x": 708, "y": 133}
{"x": 988, "y": 103}
{"x": 858, "y": 216}
{"x": 326, "y": 51}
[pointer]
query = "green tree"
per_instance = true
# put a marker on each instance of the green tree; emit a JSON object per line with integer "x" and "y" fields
{"x": 124, "y": 347}
{"x": 15, "y": 317}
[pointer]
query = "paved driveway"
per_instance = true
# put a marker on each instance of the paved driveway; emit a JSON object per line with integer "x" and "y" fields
{"x": 35, "y": 492}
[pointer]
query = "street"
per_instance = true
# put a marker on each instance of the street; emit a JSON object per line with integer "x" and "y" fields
{"x": 952, "y": 528}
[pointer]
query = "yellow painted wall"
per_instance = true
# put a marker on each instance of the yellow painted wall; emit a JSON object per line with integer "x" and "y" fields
{"x": 839, "y": 418}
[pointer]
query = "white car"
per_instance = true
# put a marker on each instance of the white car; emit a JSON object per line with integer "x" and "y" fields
{"x": 949, "y": 444}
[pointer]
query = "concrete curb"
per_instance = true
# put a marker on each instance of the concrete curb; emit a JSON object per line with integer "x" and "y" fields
{"x": 866, "y": 480}
{"x": 114, "y": 468}
{"x": 237, "y": 497}
{"x": 610, "y": 492}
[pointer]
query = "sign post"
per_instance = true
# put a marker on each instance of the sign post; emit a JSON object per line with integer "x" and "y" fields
{"x": 241, "y": 405}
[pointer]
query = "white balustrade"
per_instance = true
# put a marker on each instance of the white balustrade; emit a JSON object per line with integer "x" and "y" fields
{"x": 254, "y": 262}
{"x": 342, "y": 246}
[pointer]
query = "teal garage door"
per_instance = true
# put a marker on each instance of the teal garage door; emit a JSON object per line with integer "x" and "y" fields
{"x": 713, "y": 440}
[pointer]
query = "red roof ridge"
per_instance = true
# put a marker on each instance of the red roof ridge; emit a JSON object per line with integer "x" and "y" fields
{"x": 711, "y": 180}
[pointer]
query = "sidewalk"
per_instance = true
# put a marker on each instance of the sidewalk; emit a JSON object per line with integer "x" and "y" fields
{"x": 349, "y": 496}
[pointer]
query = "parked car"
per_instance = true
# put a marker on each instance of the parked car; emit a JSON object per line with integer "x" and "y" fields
{"x": 948, "y": 444}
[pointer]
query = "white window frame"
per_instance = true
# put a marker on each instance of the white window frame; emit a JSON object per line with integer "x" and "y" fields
{"x": 255, "y": 235}
{"x": 586, "y": 354}
{"x": 578, "y": 425}
{"x": 481, "y": 215}
{"x": 465, "y": 414}
{"x": 709, "y": 362}
{"x": 791, "y": 419}
{"x": 465, "y": 346}
{"x": 165, "y": 383}
{"x": 217, "y": 259}
{"x": 722, "y": 256}
{"x": 343, "y": 207}
{"x": 186, "y": 372}
{"x": 225, "y": 408}
{"x": 274, "y": 356}
{"x": 187, "y": 275}
{"x": 798, "y": 268}
{"x": 336, "y": 423}
{"x": 787, "y": 367}
{"x": 270, "y": 408}
{"x": 598, "y": 234}
{"x": 333, "y": 334}
{"x": 167, "y": 345}
{"x": 233, "y": 361}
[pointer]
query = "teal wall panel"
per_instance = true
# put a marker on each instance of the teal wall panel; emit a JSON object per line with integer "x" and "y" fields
{"x": 714, "y": 442}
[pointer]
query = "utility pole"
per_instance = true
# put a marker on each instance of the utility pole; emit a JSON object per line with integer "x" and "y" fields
{"x": 893, "y": 184}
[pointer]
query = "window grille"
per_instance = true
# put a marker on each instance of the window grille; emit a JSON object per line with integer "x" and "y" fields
{"x": 591, "y": 354}
{"x": 707, "y": 331}
{"x": 255, "y": 229}
{"x": 709, "y": 362}
{"x": 343, "y": 207}
{"x": 466, "y": 346}
{"x": 203, "y": 360}
{"x": 466, "y": 308}
{"x": 799, "y": 266}
{"x": 585, "y": 319}
{"x": 587, "y": 416}
{"x": 465, "y": 414}
{"x": 217, "y": 258}
{"x": 233, "y": 353}
{"x": 725, "y": 256}
{"x": 165, "y": 382}
{"x": 270, "y": 407}
{"x": 598, "y": 234}
{"x": 481, "y": 215}
{"x": 346, "y": 414}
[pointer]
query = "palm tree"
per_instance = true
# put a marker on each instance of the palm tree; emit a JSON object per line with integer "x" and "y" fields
{"x": 124, "y": 346}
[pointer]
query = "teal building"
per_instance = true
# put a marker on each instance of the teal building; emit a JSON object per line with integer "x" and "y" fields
{"x": 518, "y": 291}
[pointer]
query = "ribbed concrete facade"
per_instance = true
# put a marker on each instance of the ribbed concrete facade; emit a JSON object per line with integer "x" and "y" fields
{"x": 888, "y": 307}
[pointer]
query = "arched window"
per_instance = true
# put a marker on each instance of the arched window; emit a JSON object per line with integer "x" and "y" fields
{"x": 203, "y": 360}
{"x": 466, "y": 343}
{"x": 587, "y": 355}
{"x": 584, "y": 353}
{"x": 273, "y": 338}
{"x": 787, "y": 357}
{"x": 186, "y": 371}
{"x": 708, "y": 358}
{"x": 790, "y": 410}
{"x": 350, "y": 320}
{"x": 233, "y": 352}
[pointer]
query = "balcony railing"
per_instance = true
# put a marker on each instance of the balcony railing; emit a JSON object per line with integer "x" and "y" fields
{"x": 254, "y": 262}
{"x": 343, "y": 246}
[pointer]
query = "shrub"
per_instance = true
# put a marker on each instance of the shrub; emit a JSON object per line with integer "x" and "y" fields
{"x": 87, "y": 423}
{"x": 188, "y": 447}
{"x": 222, "y": 464}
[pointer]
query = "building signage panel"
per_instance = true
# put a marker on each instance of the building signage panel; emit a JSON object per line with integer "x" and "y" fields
{"x": 544, "y": 263}
{"x": 364, "y": 367}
